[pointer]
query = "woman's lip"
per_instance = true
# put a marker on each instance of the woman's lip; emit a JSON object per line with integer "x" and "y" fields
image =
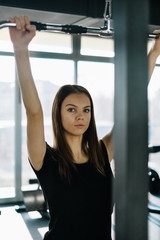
{"x": 79, "y": 125}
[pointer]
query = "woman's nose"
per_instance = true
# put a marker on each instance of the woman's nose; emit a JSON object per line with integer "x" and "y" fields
{"x": 80, "y": 116}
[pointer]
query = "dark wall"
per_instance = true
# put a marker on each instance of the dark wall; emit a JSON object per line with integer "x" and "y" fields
{"x": 89, "y": 8}
{"x": 155, "y": 12}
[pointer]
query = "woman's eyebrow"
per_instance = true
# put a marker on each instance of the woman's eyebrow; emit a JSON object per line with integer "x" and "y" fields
{"x": 70, "y": 104}
{"x": 73, "y": 105}
{"x": 89, "y": 106}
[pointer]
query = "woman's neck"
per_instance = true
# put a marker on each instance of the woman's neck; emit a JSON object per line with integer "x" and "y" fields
{"x": 75, "y": 144}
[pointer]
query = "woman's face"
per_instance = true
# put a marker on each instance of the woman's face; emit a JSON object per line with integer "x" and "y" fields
{"x": 76, "y": 114}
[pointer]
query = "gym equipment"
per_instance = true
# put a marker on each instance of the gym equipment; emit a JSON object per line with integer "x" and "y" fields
{"x": 154, "y": 182}
{"x": 153, "y": 149}
{"x": 34, "y": 200}
{"x": 154, "y": 179}
{"x": 104, "y": 31}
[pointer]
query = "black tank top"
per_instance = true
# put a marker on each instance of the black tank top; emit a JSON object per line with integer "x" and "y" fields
{"x": 82, "y": 209}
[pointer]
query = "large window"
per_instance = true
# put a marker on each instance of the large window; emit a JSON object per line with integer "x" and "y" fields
{"x": 7, "y": 123}
{"x": 47, "y": 42}
{"x": 96, "y": 46}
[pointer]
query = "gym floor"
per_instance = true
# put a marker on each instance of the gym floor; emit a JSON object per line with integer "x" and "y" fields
{"x": 25, "y": 225}
{"x": 154, "y": 219}
{"x": 31, "y": 225}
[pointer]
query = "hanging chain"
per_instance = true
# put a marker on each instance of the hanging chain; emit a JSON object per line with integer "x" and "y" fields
{"x": 107, "y": 12}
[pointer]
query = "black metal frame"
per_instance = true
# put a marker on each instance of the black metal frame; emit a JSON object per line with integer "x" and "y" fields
{"x": 131, "y": 119}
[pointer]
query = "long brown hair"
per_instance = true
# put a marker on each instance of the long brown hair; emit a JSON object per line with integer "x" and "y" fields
{"x": 90, "y": 143}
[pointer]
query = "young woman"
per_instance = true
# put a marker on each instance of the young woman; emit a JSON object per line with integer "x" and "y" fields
{"x": 74, "y": 173}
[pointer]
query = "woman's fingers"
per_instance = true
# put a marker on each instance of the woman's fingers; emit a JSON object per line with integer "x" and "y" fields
{"x": 27, "y": 21}
{"x": 21, "y": 22}
{"x": 23, "y": 33}
{"x": 18, "y": 22}
{"x": 156, "y": 31}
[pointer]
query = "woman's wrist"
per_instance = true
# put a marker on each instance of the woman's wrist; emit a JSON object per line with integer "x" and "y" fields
{"x": 20, "y": 48}
{"x": 154, "y": 53}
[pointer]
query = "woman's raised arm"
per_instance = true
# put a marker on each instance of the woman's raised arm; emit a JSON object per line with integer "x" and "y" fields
{"x": 21, "y": 36}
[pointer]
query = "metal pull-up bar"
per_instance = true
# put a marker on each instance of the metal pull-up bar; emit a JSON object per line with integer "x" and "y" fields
{"x": 66, "y": 28}
{"x": 104, "y": 31}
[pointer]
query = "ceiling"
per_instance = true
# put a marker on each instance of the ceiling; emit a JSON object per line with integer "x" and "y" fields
{"x": 91, "y": 17}
{"x": 50, "y": 17}
{"x": 69, "y": 11}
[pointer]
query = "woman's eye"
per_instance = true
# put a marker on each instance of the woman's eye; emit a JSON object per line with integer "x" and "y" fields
{"x": 87, "y": 110}
{"x": 71, "y": 110}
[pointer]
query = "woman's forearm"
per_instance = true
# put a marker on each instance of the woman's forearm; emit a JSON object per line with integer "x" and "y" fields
{"x": 27, "y": 85}
{"x": 152, "y": 57}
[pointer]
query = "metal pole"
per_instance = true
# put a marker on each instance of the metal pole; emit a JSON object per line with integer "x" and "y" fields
{"x": 131, "y": 123}
{"x": 76, "y": 53}
{"x": 18, "y": 140}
